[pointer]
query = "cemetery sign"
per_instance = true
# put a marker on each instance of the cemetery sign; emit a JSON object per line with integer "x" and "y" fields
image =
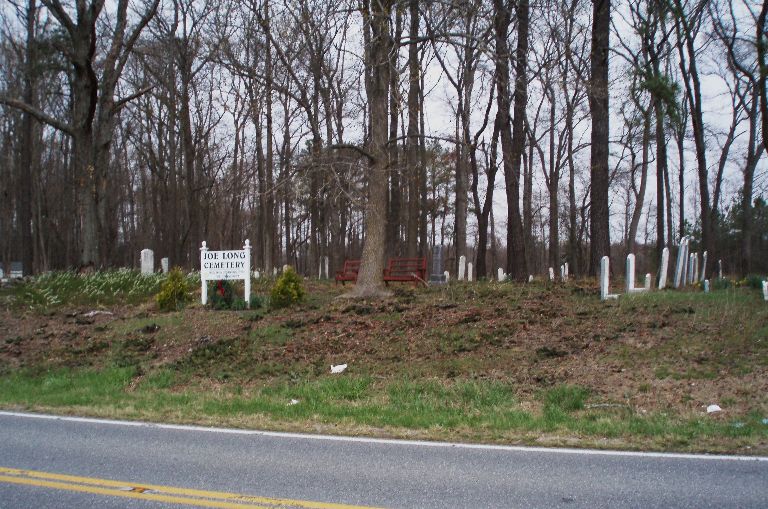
{"x": 218, "y": 265}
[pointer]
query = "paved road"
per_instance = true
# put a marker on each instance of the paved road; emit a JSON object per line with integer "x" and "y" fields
{"x": 49, "y": 462}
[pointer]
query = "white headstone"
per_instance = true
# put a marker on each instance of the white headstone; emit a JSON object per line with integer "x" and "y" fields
{"x": 500, "y": 274}
{"x": 164, "y": 264}
{"x": 565, "y": 267}
{"x": 551, "y": 274}
{"x": 682, "y": 262}
{"x": 647, "y": 282}
{"x": 530, "y": 278}
{"x": 663, "y": 268}
{"x": 447, "y": 276}
{"x": 147, "y": 261}
{"x": 462, "y": 267}
{"x": 703, "y": 267}
{"x": 720, "y": 269}
{"x": 326, "y": 266}
{"x": 691, "y": 257}
{"x": 695, "y": 275}
{"x": 286, "y": 267}
{"x": 562, "y": 272}
{"x": 256, "y": 274}
{"x": 604, "y": 280}
{"x": 706, "y": 286}
{"x": 274, "y": 270}
{"x": 630, "y": 276}
{"x": 765, "y": 290}
{"x": 470, "y": 274}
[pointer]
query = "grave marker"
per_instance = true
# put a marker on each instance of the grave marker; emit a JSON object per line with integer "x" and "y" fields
{"x": 147, "y": 261}
{"x": 447, "y": 277}
{"x": 663, "y": 268}
{"x": 604, "y": 280}
{"x": 706, "y": 286}
{"x": 470, "y": 274}
{"x": 720, "y": 269}
{"x": 565, "y": 267}
{"x": 530, "y": 278}
{"x": 765, "y": 290}
{"x": 164, "y": 265}
{"x": 437, "y": 276}
{"x": 682, "y": 261}
{"x": 551, "y": 274}
{"x": 689, "y": 279}
{"x": 462, "y": 267}
{"x": 647, "y": 282}
{"x": 500, "y": 274}
{"x": 630, "y": 273}
{"x": 218, "y": 265}
{"x": 703, "y": 267}
{"x": 17, "y": 270}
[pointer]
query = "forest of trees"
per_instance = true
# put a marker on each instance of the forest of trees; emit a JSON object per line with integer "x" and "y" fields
{"x": 521, "y": 134}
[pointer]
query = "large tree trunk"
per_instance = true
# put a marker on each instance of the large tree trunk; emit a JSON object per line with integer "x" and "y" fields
{"x": 512, "y": 137}
{"x": 762, "y": 47}
{"x": 27, "y": 166}
{"x": 369, "y": 280}
{"x": 412, "y": 144}
{"x": 600, "y": 244}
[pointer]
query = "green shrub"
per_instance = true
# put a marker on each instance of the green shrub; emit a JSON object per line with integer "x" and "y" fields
{"x": 287, "y": 290}
{"x": 755, "y": 281}
{"x": 174, "y": 292}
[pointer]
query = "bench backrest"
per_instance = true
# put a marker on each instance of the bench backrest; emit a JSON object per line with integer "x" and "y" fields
{"x": 406, "y": 265}
{"x": 351, "y": 265}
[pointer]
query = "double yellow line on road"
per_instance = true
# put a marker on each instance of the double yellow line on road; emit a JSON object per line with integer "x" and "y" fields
{"x": 167, "y": 494}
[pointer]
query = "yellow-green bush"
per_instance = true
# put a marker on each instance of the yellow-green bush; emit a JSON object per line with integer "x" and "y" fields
{"x": 287, "y": 290}
{"x": 174, "y": 292}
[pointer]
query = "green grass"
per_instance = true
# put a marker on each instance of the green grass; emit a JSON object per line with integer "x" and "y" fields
{"x": 437, "y": 408}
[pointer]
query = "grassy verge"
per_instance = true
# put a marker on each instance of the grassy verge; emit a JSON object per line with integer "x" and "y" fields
{"x": 428, "y": 409}
{"x": 489, "y": 362}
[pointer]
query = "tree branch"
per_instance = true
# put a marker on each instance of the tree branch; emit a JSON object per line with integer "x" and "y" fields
{"x": 125, "y": 100}
{"x": 38, "y": 114}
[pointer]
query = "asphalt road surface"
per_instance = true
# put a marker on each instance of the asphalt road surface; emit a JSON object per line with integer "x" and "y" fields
{"x": 53, "y": 462}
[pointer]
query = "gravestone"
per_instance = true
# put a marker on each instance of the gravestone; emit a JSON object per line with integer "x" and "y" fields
{"x": 164, "y": 265}
{"x": 647, "y": 282}
{"x": 2, "y": 272}
{"x": 689, "y": 279}
{"x": 706, "y": 286}
{"x": 562, "y": 273}
{"x": 447, "y": 277}
{"x": 462, "y": 267}
{"x": 682, "y": 257}
{"x": 695, "y": 275}
{"x": 720, "y": 269}
{"x": 663, "y": 268}
{"x": 326, "y": 263}
{"x": 703, "y": 267}
{"x": 17, "y": 270}
{"x": 530, "y": 278}
{"x": 605, "y": 275}
{"x": 437, "y": 276}
{"x": 500, "y": 274}
{"x": 256, "y": 274}
{"x": 630, "y": 273}
{"x": 551, "y": 274}
{"x": 765, "y": 290}
{"x": 147, "y": 261}
{"x": 565, "y": 267}
{"x": 274, "y": 271}
{"x": 470, "y": 275}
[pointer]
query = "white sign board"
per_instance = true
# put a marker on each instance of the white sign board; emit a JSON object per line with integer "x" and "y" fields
{"x": 219, "y": 265}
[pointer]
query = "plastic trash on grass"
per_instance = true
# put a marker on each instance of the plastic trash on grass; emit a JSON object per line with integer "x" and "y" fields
{"x": 338, "y": 368}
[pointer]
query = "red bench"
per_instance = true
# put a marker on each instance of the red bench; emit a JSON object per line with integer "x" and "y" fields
{"x": 349, "y": 272}
{"x": 406, "y": 270}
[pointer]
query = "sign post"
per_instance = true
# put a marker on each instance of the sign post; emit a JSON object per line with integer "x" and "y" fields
{"x": 218, "y": 265}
